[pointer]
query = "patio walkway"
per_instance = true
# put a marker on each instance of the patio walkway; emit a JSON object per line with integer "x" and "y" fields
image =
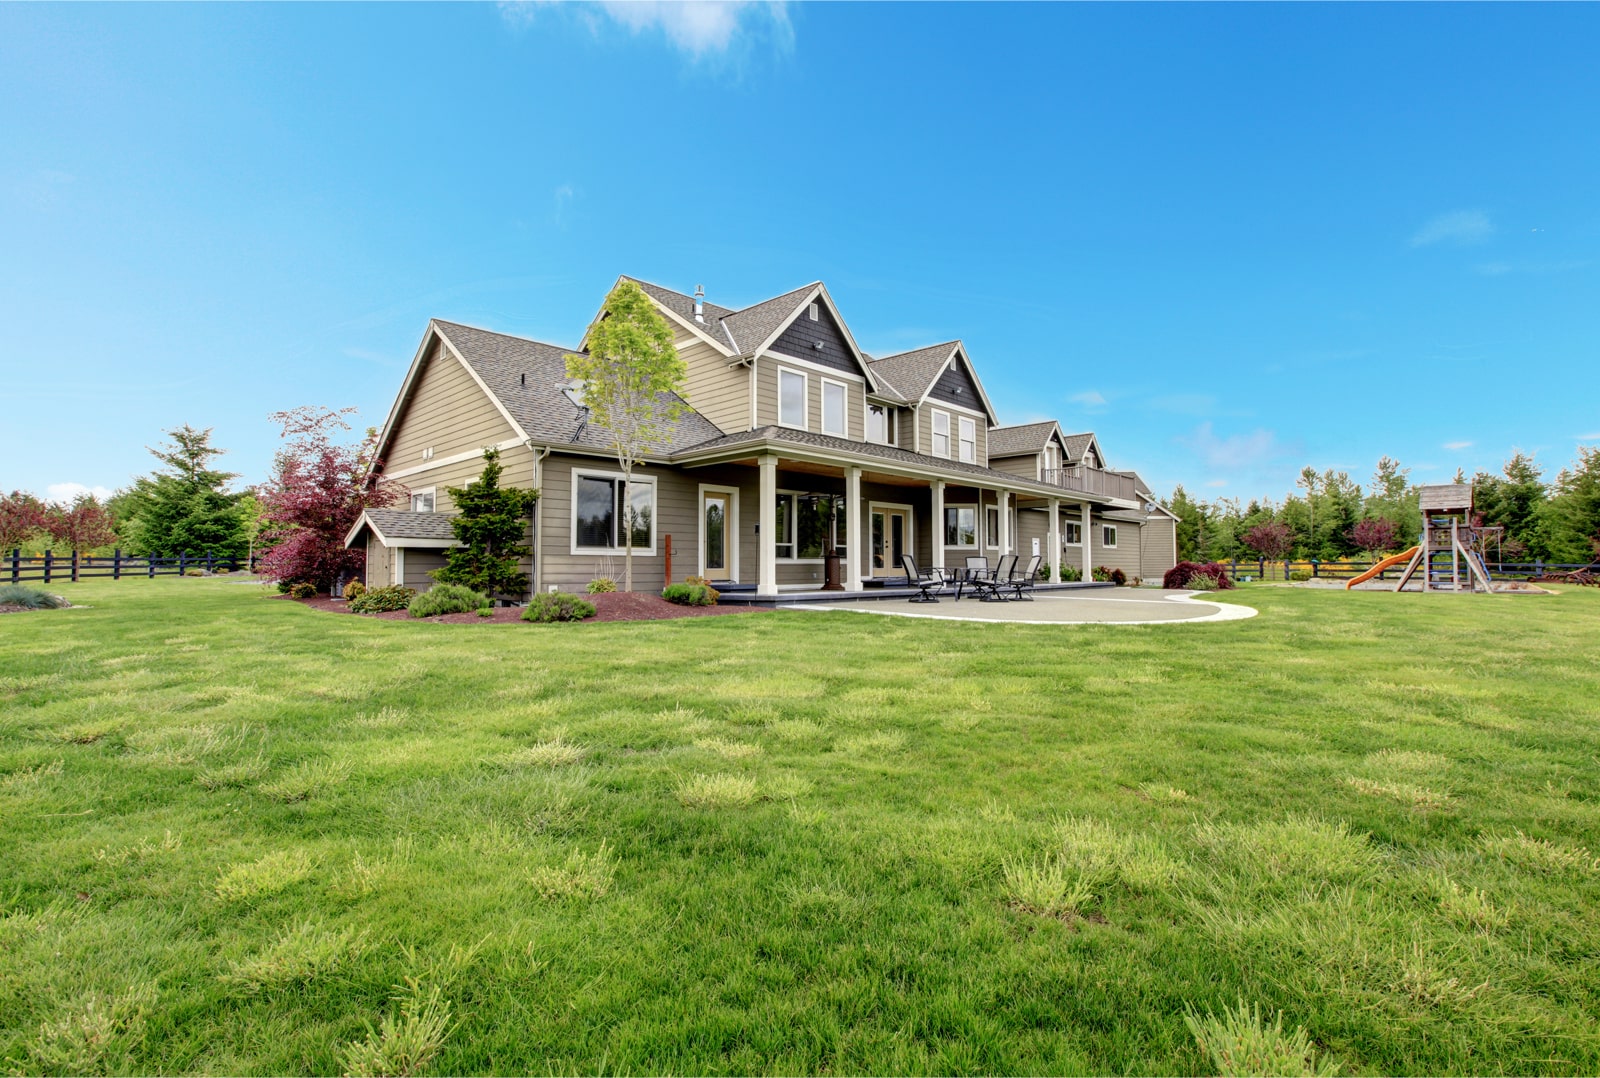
{"x": 1120, "y": 606}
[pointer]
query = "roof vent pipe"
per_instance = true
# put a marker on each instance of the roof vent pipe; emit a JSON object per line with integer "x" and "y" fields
{"x": 699, "y": 303}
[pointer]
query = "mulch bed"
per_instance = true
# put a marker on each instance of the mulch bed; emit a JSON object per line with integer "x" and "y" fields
{"x": 613, "y": 606}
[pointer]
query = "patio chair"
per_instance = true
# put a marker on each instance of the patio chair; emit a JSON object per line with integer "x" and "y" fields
{"x": 1002, "y": 579}
{"x": 1023, "y": 581}
{"x": 929, "y": 583}
{"x": 976, "y": 577}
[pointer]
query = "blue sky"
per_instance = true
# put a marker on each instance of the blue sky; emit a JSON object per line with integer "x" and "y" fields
{"x": 1230, "y": 239}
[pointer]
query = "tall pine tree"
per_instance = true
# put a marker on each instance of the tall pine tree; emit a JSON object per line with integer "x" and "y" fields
{"x": 491, "y": 523}
{"x": 186, "y": 507}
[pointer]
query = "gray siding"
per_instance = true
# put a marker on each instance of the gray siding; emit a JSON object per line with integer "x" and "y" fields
{"x": 802, "y": 336}
{"x": 418, "y": 564}
{"x": 447, "y": 412}
{"x": 715, "y": 390}
{"x": 1160, "y": 550}
{"x": 767, "y": 398}
{"x": 956, "y": 387}
{"x": 1125, "y": 555}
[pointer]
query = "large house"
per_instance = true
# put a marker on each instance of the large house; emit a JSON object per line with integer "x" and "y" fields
{"x": 796, "y": 444}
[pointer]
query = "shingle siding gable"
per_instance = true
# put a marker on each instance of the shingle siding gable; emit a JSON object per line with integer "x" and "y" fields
{"x": 802, "y": 336}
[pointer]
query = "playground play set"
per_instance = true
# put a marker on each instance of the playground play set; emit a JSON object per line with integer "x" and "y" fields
{"x": 1450, "y": 554}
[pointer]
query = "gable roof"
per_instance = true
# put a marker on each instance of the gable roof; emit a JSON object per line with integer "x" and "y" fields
{"x": 913, "y": 374}
{"x": 537, "y": 402}
{"x": 1023, "y": 439}
{"x": 397, "y": 527}
{"x": 1078, "y": 444}
{"x": 760, "y": 322}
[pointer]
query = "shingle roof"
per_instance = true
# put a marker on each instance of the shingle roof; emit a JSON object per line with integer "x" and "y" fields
{"x": 752, "y": 326}
{"x": 677, "y": 302}
{"x": 538, "y": 404}
{"x": 1020, "y": 440}
{"x": 911, "y": 373}
{"x": 399, "y": 524}
{"x": 1075, "y": 445}
{"x": 872, "y": 449}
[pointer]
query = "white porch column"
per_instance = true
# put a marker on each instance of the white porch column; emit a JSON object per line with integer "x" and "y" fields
{"x": 852, "y": 529}
{"x": 937, "y": 538}
{"x": 767, "y": 541}
{"x": 1088, "y": 544}
{"x": 1054, "y": 540}
{"x": 1005, "y": 521}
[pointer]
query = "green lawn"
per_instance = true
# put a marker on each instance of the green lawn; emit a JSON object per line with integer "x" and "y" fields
{"x": 240, "y": 836}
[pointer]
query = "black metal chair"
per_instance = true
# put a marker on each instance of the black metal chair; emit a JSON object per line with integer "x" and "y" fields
{"x": 976, "y": 577}
{"x": 1023, "y": 581}
{"x": 1001, "y": 580}
{"x": 929, "y": 584}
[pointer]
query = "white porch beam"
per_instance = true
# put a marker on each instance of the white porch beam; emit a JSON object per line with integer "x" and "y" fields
{"x": 937, "y": 538}
{"x": 767, "y": 541}
{"x": 1004, "y": 497}
{"x": 1055, "y": 540}
{"x": 852, "y": 528}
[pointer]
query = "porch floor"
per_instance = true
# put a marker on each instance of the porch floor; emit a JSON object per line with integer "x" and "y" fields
{"x": 746, "y": 593}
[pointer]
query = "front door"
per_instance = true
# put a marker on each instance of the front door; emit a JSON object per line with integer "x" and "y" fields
{"x": 717, "y": 535}
{"x": 891, "y": 539}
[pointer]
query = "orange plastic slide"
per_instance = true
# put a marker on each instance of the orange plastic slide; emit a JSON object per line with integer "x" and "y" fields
{"x": 1380, "y": 567}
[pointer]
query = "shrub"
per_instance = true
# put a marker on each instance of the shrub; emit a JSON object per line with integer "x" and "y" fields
{"x": 1202, "y": 582}
{"x": 689, "y": 594}
{"x": 446, "y": 599}
{"x": 1300, "y": 575}
{"x": 380, "y": 600}
{"x": 1119, "y": 578}
{"x": 1101, "y": 574}
{"x": 354, "y": 590}
{"x": 558, "y": 606}
{"x": 194, "y": 572}
{"x": 1178, "y": 577}
{"x": 601, "y": 585}
{"x": 703, "y": 582}
{"x": 485, "y": 612}
{"x": 30, "y": 598}
{"x": 1071, "y": 573}
{"x": 303, "y": 589}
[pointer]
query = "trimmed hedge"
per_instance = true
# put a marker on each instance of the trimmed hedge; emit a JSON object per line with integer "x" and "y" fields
{"x": 690, "y": 594}
{"x": 382, "y": 600}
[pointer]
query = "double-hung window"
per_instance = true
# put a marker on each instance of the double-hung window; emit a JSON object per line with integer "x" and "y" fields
{"x": 941, "y": 434}
{"x": 878, "y": 424}
{"x": 1108, "y": 535}
{"x": 834, "y": 397}
{"x": 969, "y": 440}
{"x": 607, "y": 513}
{"x": 1072, "y": 533}
{"x": 791, "y": 398}
{"x": 809, "y": 524}
{"x": 422, "y": 501}
{"x": 961, "y": 525}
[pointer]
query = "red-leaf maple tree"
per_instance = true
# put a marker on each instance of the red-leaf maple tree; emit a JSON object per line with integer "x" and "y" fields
{"x": 21, "y": 515}
{"x": 83, "y": 525}
{"x": 318, "y": 490}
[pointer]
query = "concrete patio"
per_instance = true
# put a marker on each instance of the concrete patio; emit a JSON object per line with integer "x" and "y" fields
{"x": 1106, "y": 606}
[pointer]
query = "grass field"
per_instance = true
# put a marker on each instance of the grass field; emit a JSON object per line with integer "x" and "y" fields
{"x": 240, "y": 836}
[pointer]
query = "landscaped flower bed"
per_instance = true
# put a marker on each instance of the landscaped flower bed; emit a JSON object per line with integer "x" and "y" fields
{"x": 609, "y": 606}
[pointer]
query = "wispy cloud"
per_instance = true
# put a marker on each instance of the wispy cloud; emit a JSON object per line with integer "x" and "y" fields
{"x": 1460, "y": 228}
{"x": 1595, "y": 437}
{"x": 1089, "y": 399}
{"x": 561, "y": 199}
{"x": 1456, "y": 446}
{"x": 1216, "y": 482}
{"x": 1234, "y": 451}
{"x": 1501, "y": 269}
{"x": 66, "y": 493}
{"x": 700, "y": 28}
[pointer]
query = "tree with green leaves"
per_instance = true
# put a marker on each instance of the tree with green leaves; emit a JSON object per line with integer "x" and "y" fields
{"x": 491, "y": 523}
{"x": 1514, "y": 500}
{"x": 631, "y": 378}
{"x": 186, "y": 507}
{"x": 1572, "y": 514}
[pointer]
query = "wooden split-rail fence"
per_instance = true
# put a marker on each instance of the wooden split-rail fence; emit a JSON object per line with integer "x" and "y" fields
{"x": 49, "y": 567}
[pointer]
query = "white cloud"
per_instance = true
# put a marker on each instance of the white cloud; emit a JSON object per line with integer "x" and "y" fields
{"x": 1501, "y": 269}
{"x": 1216, "y": 482}
{"x": 1455, "y": 446}
{"x": 1088, "y": 398}
{"x": 1234, "y": 451}
{"x": 697, "y": 27}
{"x": 1595, "y": 437}
{"x": 67, "y": 493}
{"x": 1461, "y": 227}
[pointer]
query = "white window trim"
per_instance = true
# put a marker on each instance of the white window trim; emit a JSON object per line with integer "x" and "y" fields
{"x": 977, "y": 538}
{"x": 844, "y": 409}
{"x": 609, "y": 551}
{"x": 792, "y": 495}
{"x": 1111, "y": 530}
{"x": 819, "y": 368}
{"x": 991, "y": 538}
{"x": 963, "y": 424}
{"x": 933, "y": 433}
{"x": 911, "y": 534}
{"x": 805, "y": 399}
{"x": 433, "y": 495}
{"x": 730, "y": 526}
{"x": 1065, "y": 524}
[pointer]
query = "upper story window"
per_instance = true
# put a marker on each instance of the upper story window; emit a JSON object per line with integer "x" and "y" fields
{"x": 941, "y": 434}
{"x": 422, "y": 501}
{"x": 791, "y": 398}
{"x": 969, "y": 440}
{"x": 833, "y": 407}
{"x": 880, "y": 424}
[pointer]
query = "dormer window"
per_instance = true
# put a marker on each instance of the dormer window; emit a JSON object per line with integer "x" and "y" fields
{"x": 880, "y": 424}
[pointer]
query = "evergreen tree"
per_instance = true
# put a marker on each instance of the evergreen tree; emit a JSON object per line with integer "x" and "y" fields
{"x": 1191, "y": 522}
{"x": 491, "y": 523}
{"x": 1572, "y": 514}
{"x": 1514, "y": 500}
{"x": 185, "y": 508}
{"x": 1392, "y": 497}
